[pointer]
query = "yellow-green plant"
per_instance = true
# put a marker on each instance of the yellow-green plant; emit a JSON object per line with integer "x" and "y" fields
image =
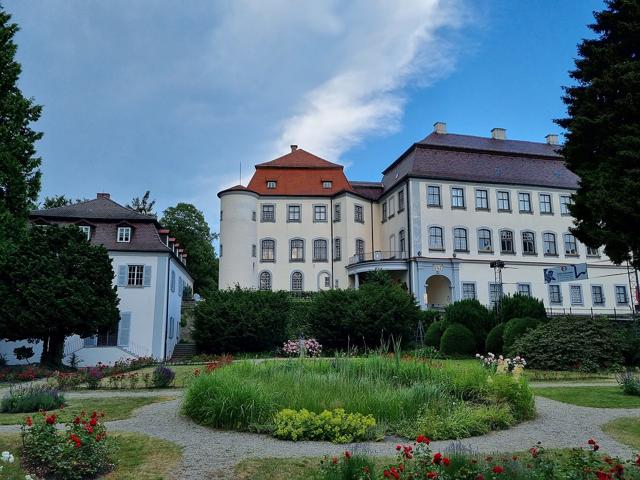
{"x": 335, "y": 425}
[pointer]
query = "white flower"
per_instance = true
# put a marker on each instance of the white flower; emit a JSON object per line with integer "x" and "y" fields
{"x": 28, "y": 477}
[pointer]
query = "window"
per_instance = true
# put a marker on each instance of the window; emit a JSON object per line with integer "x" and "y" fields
{"x": 337, "y": 249}
{"x": 173, "y": 281}
{"x": 506, "y": 241}
{"x": 401, "y": 201}
{"x": 528, "y": 243}
{"x": 575, "y": 294}
{"x": 268, "y": 213}
{"x": 360, "y": 249}
{"x": 293, "y": 213}
{"x": 495, "y": 293}
{"x": 358, "y": 213}
{"x": 296, "y": 250}
{"x": 468, "y": 291}
{"x": 621, "y": 295}
{"x": 254, "y": 251}
{"x": 545, "y": 203}
{"x": 457, "y": 197}
{"x": 570, "y": 245}
{"x": 433, "y": 196}
{"x": 597, "y": 295}
{"x": 565, "y": 201}
{"x": 402, "y": 240}
{"x": 220, "y": 250}
{"x": 384, "y": 212}
{"x": 271, "y": 184}
{"x": 392, "y": 246}
{"x": 220, "y": 215}
{"x": 484, "y": 240}
{"x": 460, "y": 243}
{"x": 524, "y": 202}
{"x": 482, "y": 200}
{"x": 268, "y": 251}
{"x": 524, "y": 289}
{"x": 86, "y": 230}
{"x": 253, "y": 215}
{"x": 592, "y": 252}
{"x": 319, "y": 213}
{"x": 327, "y": 281}
{"x": 549, "y": 240}
{"x": 327, "y": 184}
{"x": 436, "y": 241}
{"x": 336, "y": 212}
{"x": 504, "y": 201}
{"x": 555, "y": 296}
{"x": 265, "y": 281}
{"x": 296, "y": 282}
{"x": 135, "y": 275}
{"x": 124, "y": 234}
{"x": 392, "y": 206}
{"x": 319, "y": 250}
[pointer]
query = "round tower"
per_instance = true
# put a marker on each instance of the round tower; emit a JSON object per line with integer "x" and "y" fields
{"x": 238, "y": 224}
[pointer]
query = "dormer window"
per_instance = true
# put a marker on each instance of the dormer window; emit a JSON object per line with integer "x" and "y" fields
{"x": 124, "y": 234}
{"x": 271, "y": 184}
{"x": 327, "y": 184}
{"x": 86, "y": 230}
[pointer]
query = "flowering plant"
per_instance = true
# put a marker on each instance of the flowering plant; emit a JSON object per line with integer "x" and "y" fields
{"x": 503, "y": 365}
{"x": 310, "y": 347}
{"x": 336, "y": 425}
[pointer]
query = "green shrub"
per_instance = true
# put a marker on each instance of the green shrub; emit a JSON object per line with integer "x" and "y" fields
{"x": 629, "y": 346}
{"x": 298, "y": 322}
{"x": 473, "y": 315}
{"x": 331, "y": 315}
{"x": 494, "y": 342}
{"x": 572, "y": 343}
{"x": 629, "y": 383}
{"x": 514, "y": 392}
{"x": 521, "y": 306}
{"x": 514, "y": 329}
{"x": 434, "y": 334}
{"x": 162, "y": 376}
{"x": 457, "y": 340}
{"x": 335, "y": 425}
{"x": 238, "y": 320}
{"x": 31, "y": 399}
{"x": 430, "y": 316}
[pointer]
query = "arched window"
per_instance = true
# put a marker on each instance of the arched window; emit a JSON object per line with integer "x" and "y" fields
{"x": 268, "y": 250}
{"x": 296, "y": 250}
{"x": 392, "y": 245}
{"x": 320, "y": 250}
{"x": 403, "y": 242}
{"x": 506, "y": 241}
{"x": 265, "y": 281}
{"x": 436, "y": 241}
{"x": 460, "y": 243}
{"x": 570, "y": 245}
{"x": 528, "y": 243}
{"x": 296, "y": 282}
{"x": 550, "y": 244}
{"x": 484, "y": 240}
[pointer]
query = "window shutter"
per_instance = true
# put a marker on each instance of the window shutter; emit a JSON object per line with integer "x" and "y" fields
{"x": 147, "y": 275}
{"x": 124, "y": 327}
{"x": 122, "y": 275}
{"x": 170, "y": 327}
{"x": 91, "y": 341}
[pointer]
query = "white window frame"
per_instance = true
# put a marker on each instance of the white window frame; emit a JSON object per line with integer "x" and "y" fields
{"x": 358, "y": 213}
{"x": 263, "y": 218}
{"x": 499, "y": 200}
{"x": 524, "y": 284}
{"x": 438, "y": 189}
{"x": 292, "y": 207}
{"x": 464, "y": 295}
{"x": 572, "y": 287}
{"x": 299, "y": 278}
{"x": 527, "y": 201}
{"x": 485, "y": 198}
{"x": 464, "y": 238}
{"x": 604, "y": 299}
{"x": 564, "y": 205}
{"x": 271, "y": 184}
{"x": 265, "y": 274}
{"x": 540, "y": 203}
{"x": 86, "y": 230}
{"x": 535, "y": 249}
{"x": 513, "y": 241}
{"x": 455, "y": 199}
{"x": 575, "y": 243}
{"x": 262, "y": 250}
{"x": 319, "y": 208}
{"x": 626, "y": 294}
{"x": 124, "y": 235}
{"x": 485, "y": 250}
{"x": 551, "y": 294}
{"x": 440, "y": 248}
{"x": 297, "y": 259}
{"x": 544, "y": 244}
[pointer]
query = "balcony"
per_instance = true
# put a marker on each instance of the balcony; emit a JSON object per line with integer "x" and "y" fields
{"x": 377, "y": 256}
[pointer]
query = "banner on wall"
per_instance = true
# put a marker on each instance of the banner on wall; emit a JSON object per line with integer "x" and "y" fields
{"x": 566, "y": 273}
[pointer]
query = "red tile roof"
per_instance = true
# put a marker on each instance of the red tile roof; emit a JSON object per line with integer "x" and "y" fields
{"x": 299, "y": 158}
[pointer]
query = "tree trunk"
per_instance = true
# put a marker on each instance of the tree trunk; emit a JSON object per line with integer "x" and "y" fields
{"x": 52, "y": 351}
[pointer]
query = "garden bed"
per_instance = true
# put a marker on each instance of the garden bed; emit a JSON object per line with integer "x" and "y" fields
{"x": 405, "y": 397}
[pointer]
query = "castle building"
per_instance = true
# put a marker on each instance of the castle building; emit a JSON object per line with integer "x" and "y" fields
{"x": 445, "y": 212}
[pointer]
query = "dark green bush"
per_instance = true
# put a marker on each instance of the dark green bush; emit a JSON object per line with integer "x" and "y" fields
{"x": 331, "y": 315}
{"x": 298, "y": 323}
{"x": 521, "y": 306}
{"x": 494, "y": 339}
{"x": 514, "y": 329}
{"x": 434, "y": 334}
{"x": 238, "y": 320}
{"x": 629, "y": 346}
{"x": 473, "y": 315}
{"x": 457, "y": 340}
{"x": 572, "y": 343}
{"x": 430, "y": 316}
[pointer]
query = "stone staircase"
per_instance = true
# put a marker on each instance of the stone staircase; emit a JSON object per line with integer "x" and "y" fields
{"x": 183, "y": 352}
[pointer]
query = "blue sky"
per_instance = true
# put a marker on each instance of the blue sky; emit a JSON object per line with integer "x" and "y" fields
{"x": 172, "y": 97}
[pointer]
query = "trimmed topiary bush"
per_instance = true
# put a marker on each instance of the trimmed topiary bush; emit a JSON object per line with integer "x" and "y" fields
{"x": 573, "y": 343}
{"x": 514, "y": 329}
{"x": 494, "y": 342}
{"x": 521, "y": 306}
{"x": 457, "y": 340}
{"x": 473, "y": 315}
{"x": 434, "y": 334}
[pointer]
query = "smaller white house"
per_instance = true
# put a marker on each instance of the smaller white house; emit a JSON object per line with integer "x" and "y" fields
{"x": 150, "y": 273}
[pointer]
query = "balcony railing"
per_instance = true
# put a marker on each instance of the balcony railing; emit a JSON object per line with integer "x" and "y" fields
{"x": 378, "y": 255}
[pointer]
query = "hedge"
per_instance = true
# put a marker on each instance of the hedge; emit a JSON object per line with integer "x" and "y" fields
{"x": 515, "y": 328}
{"x": 457, "y": 340}
{"x": 494, "y": 343}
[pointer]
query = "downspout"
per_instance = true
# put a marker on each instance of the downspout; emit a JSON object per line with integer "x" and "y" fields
{"x": 373, "y": 246}
{"x": 166, "y": 316}
{"x": 333, "y": 280}
{"x": 409, "y": 237}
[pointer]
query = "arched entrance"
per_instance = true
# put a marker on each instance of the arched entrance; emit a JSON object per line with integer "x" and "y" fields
{"x": 437, "y": 291}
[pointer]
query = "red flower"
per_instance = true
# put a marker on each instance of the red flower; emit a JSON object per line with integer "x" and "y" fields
{"x": 603, "y": 476}
{"x": 28, "y": 421}
{"x": 497, "y": 469}
{"x": 76, "y": 420}
{"x": 638, "y": 460}
{"x": 89, "y": 428}
{"x": 618, "y": 469}
{"x": 423, "y": 439}
{"x": 480, "y": 477}
{"x": 596, "y": 447}
{"x": 432, "y": 475}
{"x": 394, "y": 473}
{"x": 437, "y": 458}
{"x": 51, "y": 420}
{"x": 334, "y": 460}
{"x": 398, "y": 447}
{"x": 347, "y": 454}
{"x": 446, "y": 461}
{"x": 534, "y": 452}
{"x": 93, "y": 422}
{"x": 591, "y": 441}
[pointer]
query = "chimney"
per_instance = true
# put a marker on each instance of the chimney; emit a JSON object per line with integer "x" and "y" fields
{"x": 552, "y": 139}
{"x": 103, "y": 195}
{"x": 498, "y": 134}
{"x": 440, "y": 128}
{"x": 294, "y": 148}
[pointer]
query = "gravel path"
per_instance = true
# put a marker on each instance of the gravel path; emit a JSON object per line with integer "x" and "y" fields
{"x": 602, "y": 383}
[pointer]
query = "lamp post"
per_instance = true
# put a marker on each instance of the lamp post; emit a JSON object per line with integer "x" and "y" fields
{"x": 497, "y": 266}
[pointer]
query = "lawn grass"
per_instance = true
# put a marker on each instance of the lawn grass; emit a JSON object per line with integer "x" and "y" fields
{"x": 625, "y": 430}
{"x": 599, "y": 397}
{"x": 114, "y": 408}
{"x": 553, "y": 376}
{"x": 286, "y": 468}
{"x": 139, "y": 457}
